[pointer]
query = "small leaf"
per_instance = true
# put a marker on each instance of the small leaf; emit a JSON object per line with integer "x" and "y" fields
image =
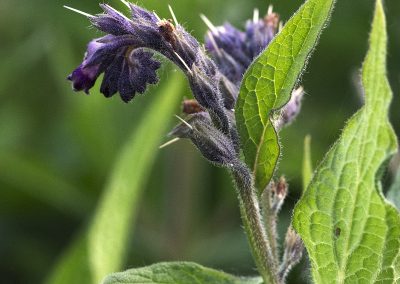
{"x": 101, "y": 250}
{"x": 307, "y": 163}
{"x": 351, "y": 233}
{"x": 268, "y": 84}
{"x": 394, "y": 191}
{"x": 176, "y": 273}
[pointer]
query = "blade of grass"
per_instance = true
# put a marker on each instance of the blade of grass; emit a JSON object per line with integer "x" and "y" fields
{"x": 102, "y": 248}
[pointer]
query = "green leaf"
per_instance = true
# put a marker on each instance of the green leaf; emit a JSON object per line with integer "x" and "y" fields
{"x": 307, "y": 163}
{"x": 394, "y": 191}
{"x": 351, "y": 233}
{"x": 102, "y": 248}
{"x": 268, "y": 84}
{"x": 176, "y": 273}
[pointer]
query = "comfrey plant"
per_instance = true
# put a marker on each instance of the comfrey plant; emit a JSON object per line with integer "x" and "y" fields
{"x": 245, "y": 89}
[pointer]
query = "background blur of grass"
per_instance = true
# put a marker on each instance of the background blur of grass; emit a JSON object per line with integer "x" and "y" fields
{"x": 57, "y": 147}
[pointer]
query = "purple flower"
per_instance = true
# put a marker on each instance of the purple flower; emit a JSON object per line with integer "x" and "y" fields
{"x": 125, "y": 56}
{"x": 126, "y": 70}
{"x": 234, "y": 50}
{"x": 259, "y": 33}
{"x": 226, "y": 45}
{"x": 84, "y": 77}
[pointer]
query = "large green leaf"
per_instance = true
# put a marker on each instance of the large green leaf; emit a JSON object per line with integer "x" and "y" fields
{"x": 394, "y": 191}
{"x": 351, "y": 233}
{"x": 101, "y": 249}
{"x": 268, "y": 83}
{"x": 176, "y": 273}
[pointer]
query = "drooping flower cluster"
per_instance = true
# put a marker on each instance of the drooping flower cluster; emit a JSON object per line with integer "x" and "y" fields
{"x": 126, "y": 70}
{"x": 125, "y": 56}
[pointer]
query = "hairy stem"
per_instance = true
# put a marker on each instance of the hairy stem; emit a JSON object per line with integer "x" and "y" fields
{"x": 252, "y": 221}
{"x": 270, "y": 218}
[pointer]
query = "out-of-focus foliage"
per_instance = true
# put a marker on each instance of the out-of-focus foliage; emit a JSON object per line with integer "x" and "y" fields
{"x": 57, "y": 148}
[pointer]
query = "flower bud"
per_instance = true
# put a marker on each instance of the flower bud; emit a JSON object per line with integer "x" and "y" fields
{"x": 290, "y": 111}
{"x": 206, "y": 92}
{"x": 229, "y": 92}
{"x": 279, "y": 192}
{"x": 293, "y": 252}
{"x": 211, "y": 142}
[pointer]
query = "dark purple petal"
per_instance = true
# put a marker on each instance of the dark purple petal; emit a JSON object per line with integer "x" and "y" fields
{"x": 83, "y": 79}
{"x": 109, "y": 86}
{"x": 136, "y": 70}
{"x": 126, "y": 70}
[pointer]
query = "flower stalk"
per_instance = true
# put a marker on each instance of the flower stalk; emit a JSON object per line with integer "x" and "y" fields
{"x": 260, "y": 244}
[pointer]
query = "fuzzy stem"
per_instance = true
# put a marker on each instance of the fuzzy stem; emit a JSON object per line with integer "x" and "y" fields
{"x": 270, "y": 218}
{"x": 253, "y": 225}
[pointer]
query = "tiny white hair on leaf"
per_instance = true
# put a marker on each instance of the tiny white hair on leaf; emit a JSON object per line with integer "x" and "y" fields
{"x": 280, "y": 26}
{"x": 118, "y": 12}
{"x": 183, "y": 62}
{"x": 270, "y": 9}
{"x": 214, "y": 43}
{"x": 78, "y": 11}
{"x": 209, "y": 24}
{"x": 184, "y": 121}
{"x": 256, "y": 16}
{"x": 155, "y": 14}
{"x": 173, "y": 15}
{"x": 169, "y": 142}
{"x": 126, "y": 3}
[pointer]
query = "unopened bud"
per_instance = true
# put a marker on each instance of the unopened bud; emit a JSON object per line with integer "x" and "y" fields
{"x": 214, "y": 145}
{"x": 229, "y": 92}
{"x": 205, "y": 91}
{"x": 291, "y": 110}
{"x": 279, "y": 192}
{"x": 293, "y": 252}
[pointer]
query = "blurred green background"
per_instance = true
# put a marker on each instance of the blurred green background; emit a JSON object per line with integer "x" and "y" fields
{"x": 57, "y": 148}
